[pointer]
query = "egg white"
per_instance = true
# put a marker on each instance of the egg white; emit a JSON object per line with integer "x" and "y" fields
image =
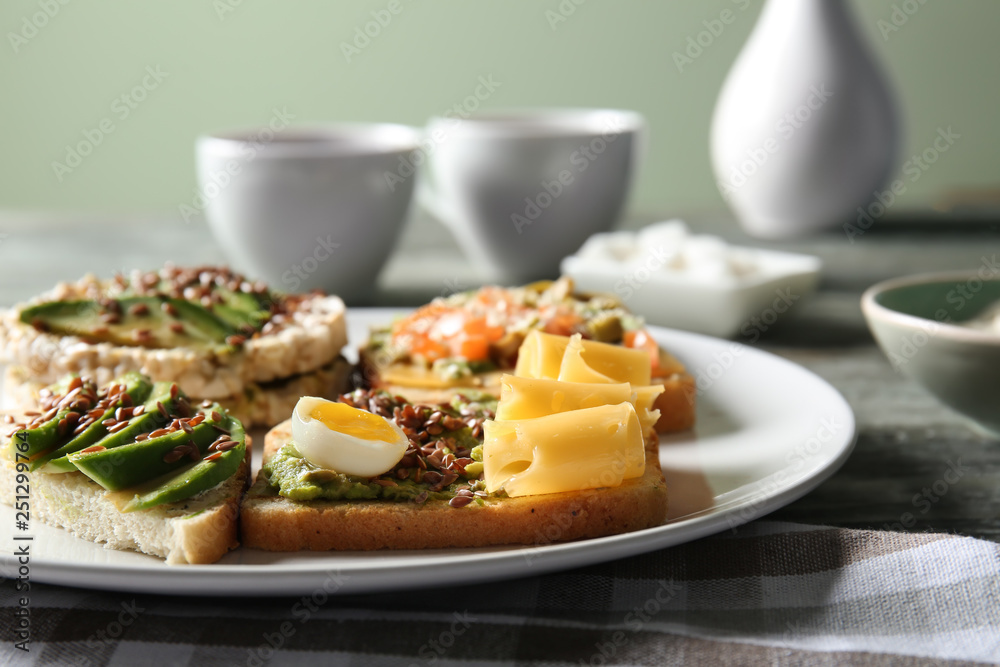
{"x": 344, "y": 453}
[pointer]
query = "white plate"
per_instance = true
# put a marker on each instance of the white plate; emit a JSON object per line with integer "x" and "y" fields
{"x": 768, "y": 432}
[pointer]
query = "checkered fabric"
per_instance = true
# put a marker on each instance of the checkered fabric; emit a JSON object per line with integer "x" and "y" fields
{"x": 770, "y": 593}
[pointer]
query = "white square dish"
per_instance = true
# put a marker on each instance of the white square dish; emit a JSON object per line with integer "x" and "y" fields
{"x": 695, "y": 299}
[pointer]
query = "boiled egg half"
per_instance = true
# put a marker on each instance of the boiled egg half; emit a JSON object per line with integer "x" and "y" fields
{"x": 339, "y": 437}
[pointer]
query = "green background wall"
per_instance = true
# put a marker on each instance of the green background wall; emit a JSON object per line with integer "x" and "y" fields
{"x": 231, "y": 62}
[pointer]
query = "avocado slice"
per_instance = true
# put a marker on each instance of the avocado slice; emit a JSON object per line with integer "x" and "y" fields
{"x": 34, "y": 441}
{"x": 242, "y": 310}
{"x": 189, "y": 481}
{"x": 148, "y": 321}
{"x": 97, "y": 434}
{"x": 137, "y": 462}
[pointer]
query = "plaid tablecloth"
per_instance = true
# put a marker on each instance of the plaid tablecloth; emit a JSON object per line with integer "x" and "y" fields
{"x": 774, "y": 593}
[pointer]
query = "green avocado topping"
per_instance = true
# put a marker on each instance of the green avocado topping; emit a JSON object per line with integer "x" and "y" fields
{"x": 444, "y": 459}
{"x": 200, "y": 308}
{"x": 143, "y": 440}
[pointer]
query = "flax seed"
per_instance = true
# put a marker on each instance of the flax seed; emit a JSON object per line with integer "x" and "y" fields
{"x": 173, "y": 455}
{"x": 118, "y": 427}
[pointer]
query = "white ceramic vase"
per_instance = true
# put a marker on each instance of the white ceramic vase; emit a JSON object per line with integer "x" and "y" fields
{"x": 805, "y": 129}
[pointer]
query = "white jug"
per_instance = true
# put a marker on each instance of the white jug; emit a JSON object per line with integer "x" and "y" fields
{"x": 805, "y": 129}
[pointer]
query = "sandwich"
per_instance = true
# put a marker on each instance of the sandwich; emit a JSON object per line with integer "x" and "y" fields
{"x": 133, "y": 464}
{"x": 467, "y": 341}
{"x": 550, "y": 460}
{"x": 221, "y": 337}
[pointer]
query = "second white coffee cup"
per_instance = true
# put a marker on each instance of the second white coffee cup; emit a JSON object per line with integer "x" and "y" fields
{"x": 522, "y": 189}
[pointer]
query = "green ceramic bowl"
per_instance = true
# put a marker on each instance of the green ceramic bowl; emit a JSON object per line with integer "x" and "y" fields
{"x": 917, "y": 322}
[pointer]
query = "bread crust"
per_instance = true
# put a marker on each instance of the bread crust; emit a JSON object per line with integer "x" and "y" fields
{"x": 273, "y": 523}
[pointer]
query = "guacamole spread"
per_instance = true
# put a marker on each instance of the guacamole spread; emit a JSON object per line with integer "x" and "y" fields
{"x": 443, "y": 460}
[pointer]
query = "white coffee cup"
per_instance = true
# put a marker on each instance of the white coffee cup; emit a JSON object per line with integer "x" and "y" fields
{"x": 308, "y": 207}
{"x": 522, "y": 189}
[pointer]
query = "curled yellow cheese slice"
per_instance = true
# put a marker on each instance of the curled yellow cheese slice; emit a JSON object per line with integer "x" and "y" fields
{"x": 527, "y": 398}
{"x": 643, "y": 399}
{"x": 542, "y": 356}
{"x": 567, "y": 451}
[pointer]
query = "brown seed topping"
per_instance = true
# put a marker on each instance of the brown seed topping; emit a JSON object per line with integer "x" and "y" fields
{"x": 117, "y": 427}
{"x": 174, "y": 389}
{"x": 177, "y": 327}
{"x": 222, "y": 445}
{"x": 174, "y": 455}
{"x": 95, "y": 448}
{"x": 169, "y": 309}
{"x": 235, "y": 339}
{"x": 216, "y": 417}
{"x": 213, "y": 457}
{"x": 460, "y": 501}
{"x": 142, "y": 335}
{"x": 138, "y": 309}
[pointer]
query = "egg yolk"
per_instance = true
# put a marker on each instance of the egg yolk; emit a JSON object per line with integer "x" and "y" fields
{"x": 344, "y": 419}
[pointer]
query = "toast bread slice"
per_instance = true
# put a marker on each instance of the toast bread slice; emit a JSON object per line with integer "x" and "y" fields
{"x": 273, "y": 523}
{"x": 197, "y": 530}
